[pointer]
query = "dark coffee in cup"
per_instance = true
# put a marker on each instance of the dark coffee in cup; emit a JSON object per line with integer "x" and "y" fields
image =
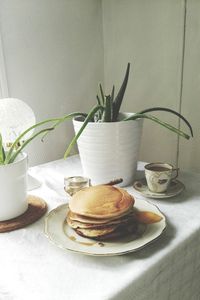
{"x": 159, "y": 176}
{"x": 158, "y": 168}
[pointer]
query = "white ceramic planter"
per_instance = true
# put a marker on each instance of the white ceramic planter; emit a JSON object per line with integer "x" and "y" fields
{"x": 109, "y": 150}
{"x": 13, "y": 188}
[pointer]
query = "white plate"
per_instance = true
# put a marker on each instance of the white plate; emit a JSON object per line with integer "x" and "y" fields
{"x": 175, "y": 188}
{"x": 58, "y": 232}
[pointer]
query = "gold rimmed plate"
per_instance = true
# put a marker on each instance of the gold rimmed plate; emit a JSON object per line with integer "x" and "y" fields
{"x": 174, "y": 189}
{"x": 60, "y": 234}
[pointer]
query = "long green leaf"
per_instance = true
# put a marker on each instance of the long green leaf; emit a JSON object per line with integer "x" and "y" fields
{"x": 2, "y": 152}
{"x": 154, "y": 119}
{"x": 98, "y": 100}
{"x": 112, "y": 93}
{"x": 112, "y": 101}
{"x": 102, "y": 94}
{"x": 87, "y": 120}
{"x": 118, "y": 100}
{"x": 16, "y": 153}
{"x": 98, "y": 115}
{"x": 171, "y": 111}
{"x": 107, "y": 117}
{"x": 57, "y": 120}
{"x": 61, "y": 120}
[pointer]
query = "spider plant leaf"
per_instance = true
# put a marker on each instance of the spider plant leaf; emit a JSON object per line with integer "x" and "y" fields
{"x": 107, "y": 116}
{"x": 89, "y": 117}
{"x": 118, "y": 100}
{"x": 102, "y": 94}
{"x": 63, "y": 119}
{"x": 57, "y": 121}
{"x": 16, "y": 153}
{"x": 171, "y": 111}
{"x": 2, "y": 152}
{"x": 154, "y": 119}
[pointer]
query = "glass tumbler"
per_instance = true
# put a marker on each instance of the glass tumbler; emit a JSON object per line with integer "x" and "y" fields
{"x": 75, "y": 183}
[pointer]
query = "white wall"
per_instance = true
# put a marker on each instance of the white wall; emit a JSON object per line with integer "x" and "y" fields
{"x": 148, "y": 34}
{"x": 56, "y": 52}
{"x": 190, "y": 152}
{"x": 53, "y": 57}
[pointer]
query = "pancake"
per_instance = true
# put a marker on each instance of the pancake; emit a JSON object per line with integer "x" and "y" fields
{"x": 109, "y": 233}
{"x": 96, "y": 232}
{"x": 120, "y": 232}
{"x": 89, "y": 220}
{"x": 77, "y": 224}
{"x": 101, "y": 202}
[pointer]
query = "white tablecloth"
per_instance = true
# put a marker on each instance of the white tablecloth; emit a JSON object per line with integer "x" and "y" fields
{"x": 31, "y": 268}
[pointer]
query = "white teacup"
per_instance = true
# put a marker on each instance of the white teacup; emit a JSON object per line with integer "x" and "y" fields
{"x": 159, "y": 175}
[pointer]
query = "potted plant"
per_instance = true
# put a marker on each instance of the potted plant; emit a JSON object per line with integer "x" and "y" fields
{"x": 14, "y": 166}
{"x": 13, "y": 178}
{"x": 13, "y": 170}
{"x": 108, "y": 143}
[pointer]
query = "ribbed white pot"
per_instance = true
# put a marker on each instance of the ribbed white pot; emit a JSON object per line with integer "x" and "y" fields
{"x": 13, "y": 188}
{"x": 109, "y": 150}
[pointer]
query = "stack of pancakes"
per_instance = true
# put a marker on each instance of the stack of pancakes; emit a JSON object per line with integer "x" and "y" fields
{"x": 102, "y": 212}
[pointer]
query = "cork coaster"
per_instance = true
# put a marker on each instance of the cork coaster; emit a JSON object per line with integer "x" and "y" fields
{"x": 36, "y": 209}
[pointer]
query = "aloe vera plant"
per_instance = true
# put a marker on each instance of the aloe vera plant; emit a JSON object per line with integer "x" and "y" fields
{"x": 107, "y": 109}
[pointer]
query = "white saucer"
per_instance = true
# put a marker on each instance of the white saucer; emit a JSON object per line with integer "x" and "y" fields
{"x": 175, "y": 188}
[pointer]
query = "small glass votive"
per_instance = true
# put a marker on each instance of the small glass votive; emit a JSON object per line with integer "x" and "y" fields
{"x": 75, "y": 183}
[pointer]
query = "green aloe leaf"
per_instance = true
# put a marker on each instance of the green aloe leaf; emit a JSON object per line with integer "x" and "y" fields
{"x": 16, "y": 153}
{"x": 154, "y": 119}
{"x": 171, "y": 111}
{"x": 98, "y": 100}
{"x": 112, "y": 101}
{"x": 98, "y": 115}
{"x": 56, "y": 122}
{"x": 112, "y": 93}
{"x": 102, "y": 94}
{"x": 89, "y": 117}
{"x": 107, "y": 116}
{"x": 118, "y": 100}
{"x": 2, "y": 152}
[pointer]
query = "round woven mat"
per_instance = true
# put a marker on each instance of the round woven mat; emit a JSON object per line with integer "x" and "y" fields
{"x": 37, "y": 207}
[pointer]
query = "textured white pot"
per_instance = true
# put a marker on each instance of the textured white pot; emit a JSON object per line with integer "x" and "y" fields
{"x": 13, "y": 188}
{"x": 109, "y": 150}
